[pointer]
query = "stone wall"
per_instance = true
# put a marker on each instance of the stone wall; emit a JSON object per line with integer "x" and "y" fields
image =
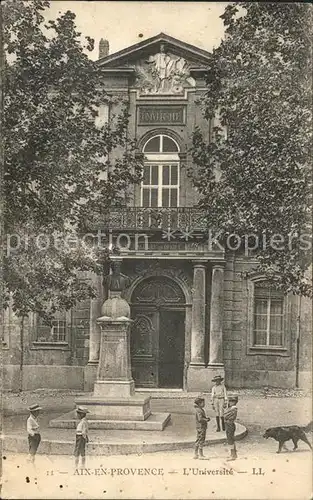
{"x": 47, "y": 365}
{"x": 65, "y": 367}
{"x": 41, "y": 376}
{"x": 245, "y": 368}
{"x": 182, "y": 133}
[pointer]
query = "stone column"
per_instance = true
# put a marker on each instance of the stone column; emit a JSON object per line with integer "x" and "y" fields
{"x": 95, "y": 313}
{"x": 198, "y": 315}
{"x": 216, "y": 319}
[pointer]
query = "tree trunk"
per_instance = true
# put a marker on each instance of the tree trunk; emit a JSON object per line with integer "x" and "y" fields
{"x": 20, "y": 388}
{"x": 298, "y": 342}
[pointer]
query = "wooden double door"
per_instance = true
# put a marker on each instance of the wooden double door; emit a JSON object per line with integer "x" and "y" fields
{"x": 158, "y": 335}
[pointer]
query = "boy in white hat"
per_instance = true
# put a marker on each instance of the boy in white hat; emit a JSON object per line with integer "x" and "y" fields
{"x": 33, "y": 431}
{"x": 219, "y": 401}
{"x": 81, "y": 436}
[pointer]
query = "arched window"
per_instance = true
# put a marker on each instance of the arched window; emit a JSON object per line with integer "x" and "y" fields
{"x": 160, "y": 184}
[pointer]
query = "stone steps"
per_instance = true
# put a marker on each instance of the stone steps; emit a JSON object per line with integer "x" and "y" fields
{"x": 155, "y": 422}
{"x": 178, "y": 434}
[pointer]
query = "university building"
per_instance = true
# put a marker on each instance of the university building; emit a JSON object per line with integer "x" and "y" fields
{"x": 195, "y": 311}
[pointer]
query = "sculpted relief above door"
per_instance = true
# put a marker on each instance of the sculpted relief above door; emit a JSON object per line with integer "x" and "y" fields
{"x": 158, "y": 291}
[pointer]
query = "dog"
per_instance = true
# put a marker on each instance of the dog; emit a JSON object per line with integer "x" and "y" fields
{"x": 293, "y": 432}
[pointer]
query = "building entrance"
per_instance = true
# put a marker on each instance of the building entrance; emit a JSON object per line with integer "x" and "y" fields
{"x": 158, "y": 334}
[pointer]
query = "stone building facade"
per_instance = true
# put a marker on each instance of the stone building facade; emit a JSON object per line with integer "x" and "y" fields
{"x": 195, "y": 312}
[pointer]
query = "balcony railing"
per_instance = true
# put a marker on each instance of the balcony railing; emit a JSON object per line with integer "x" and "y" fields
{"x": 142, "y": 218}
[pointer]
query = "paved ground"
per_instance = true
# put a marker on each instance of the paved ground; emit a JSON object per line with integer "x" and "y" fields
{"x": 259, "y": 473}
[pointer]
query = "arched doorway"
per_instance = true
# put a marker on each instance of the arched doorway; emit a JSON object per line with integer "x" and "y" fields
{"x": 158, "y": 333}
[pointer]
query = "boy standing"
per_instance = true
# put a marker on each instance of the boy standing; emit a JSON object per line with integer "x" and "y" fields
{"x": 230, "y": 416}
{"x": 33, "y": 431}
{"x": 219, "y": 401}
{"x": 201, "y": 426}
{"x": 81, "y": 436}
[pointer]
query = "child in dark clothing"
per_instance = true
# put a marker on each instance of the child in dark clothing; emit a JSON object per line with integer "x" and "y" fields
{"x": 230, "y": 416}
{"x": 201, "y": 427}
{"x": 81, "y": 436}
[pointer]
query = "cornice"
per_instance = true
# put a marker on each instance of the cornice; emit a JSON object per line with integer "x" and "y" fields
{"x": 171, "y": 42}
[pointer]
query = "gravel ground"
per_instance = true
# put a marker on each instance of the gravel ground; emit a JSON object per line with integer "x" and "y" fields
{"x": 259, "y": 473}
{"x": 19, "y": 402}
{"x": 13, "y": 402}
{"x": 256, "y": 411}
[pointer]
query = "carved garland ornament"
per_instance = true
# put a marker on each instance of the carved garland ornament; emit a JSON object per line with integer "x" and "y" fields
{"x": 144, "y": 270}
{"x": 158, "y": 292}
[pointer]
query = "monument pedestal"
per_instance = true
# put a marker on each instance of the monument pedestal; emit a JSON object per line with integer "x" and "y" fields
{"x": 116, "y": 388}
{"x": 130, "y": 408}
{"x": 114, "y": 378}
{"x": 114, "y": 404}
{"x": 114, "y": 398}
{"x": 90, "y": 375}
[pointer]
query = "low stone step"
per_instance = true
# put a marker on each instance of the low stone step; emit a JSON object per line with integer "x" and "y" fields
{"x": 173, "y": 394}
{"x": 155, "y": 422}
{"x": 132, "y": 407}
{"x": 179, "y": 434}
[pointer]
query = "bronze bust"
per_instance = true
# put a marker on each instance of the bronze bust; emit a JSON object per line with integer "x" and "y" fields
{"x": 116, "y": 281}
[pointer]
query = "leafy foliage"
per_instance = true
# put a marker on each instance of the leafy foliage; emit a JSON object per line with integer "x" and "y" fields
{"x": 61, "y": 163}
{"x": 257, "y": 180}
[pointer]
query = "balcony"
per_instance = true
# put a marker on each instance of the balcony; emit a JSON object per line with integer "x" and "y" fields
{"x": 151, "y": 219}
